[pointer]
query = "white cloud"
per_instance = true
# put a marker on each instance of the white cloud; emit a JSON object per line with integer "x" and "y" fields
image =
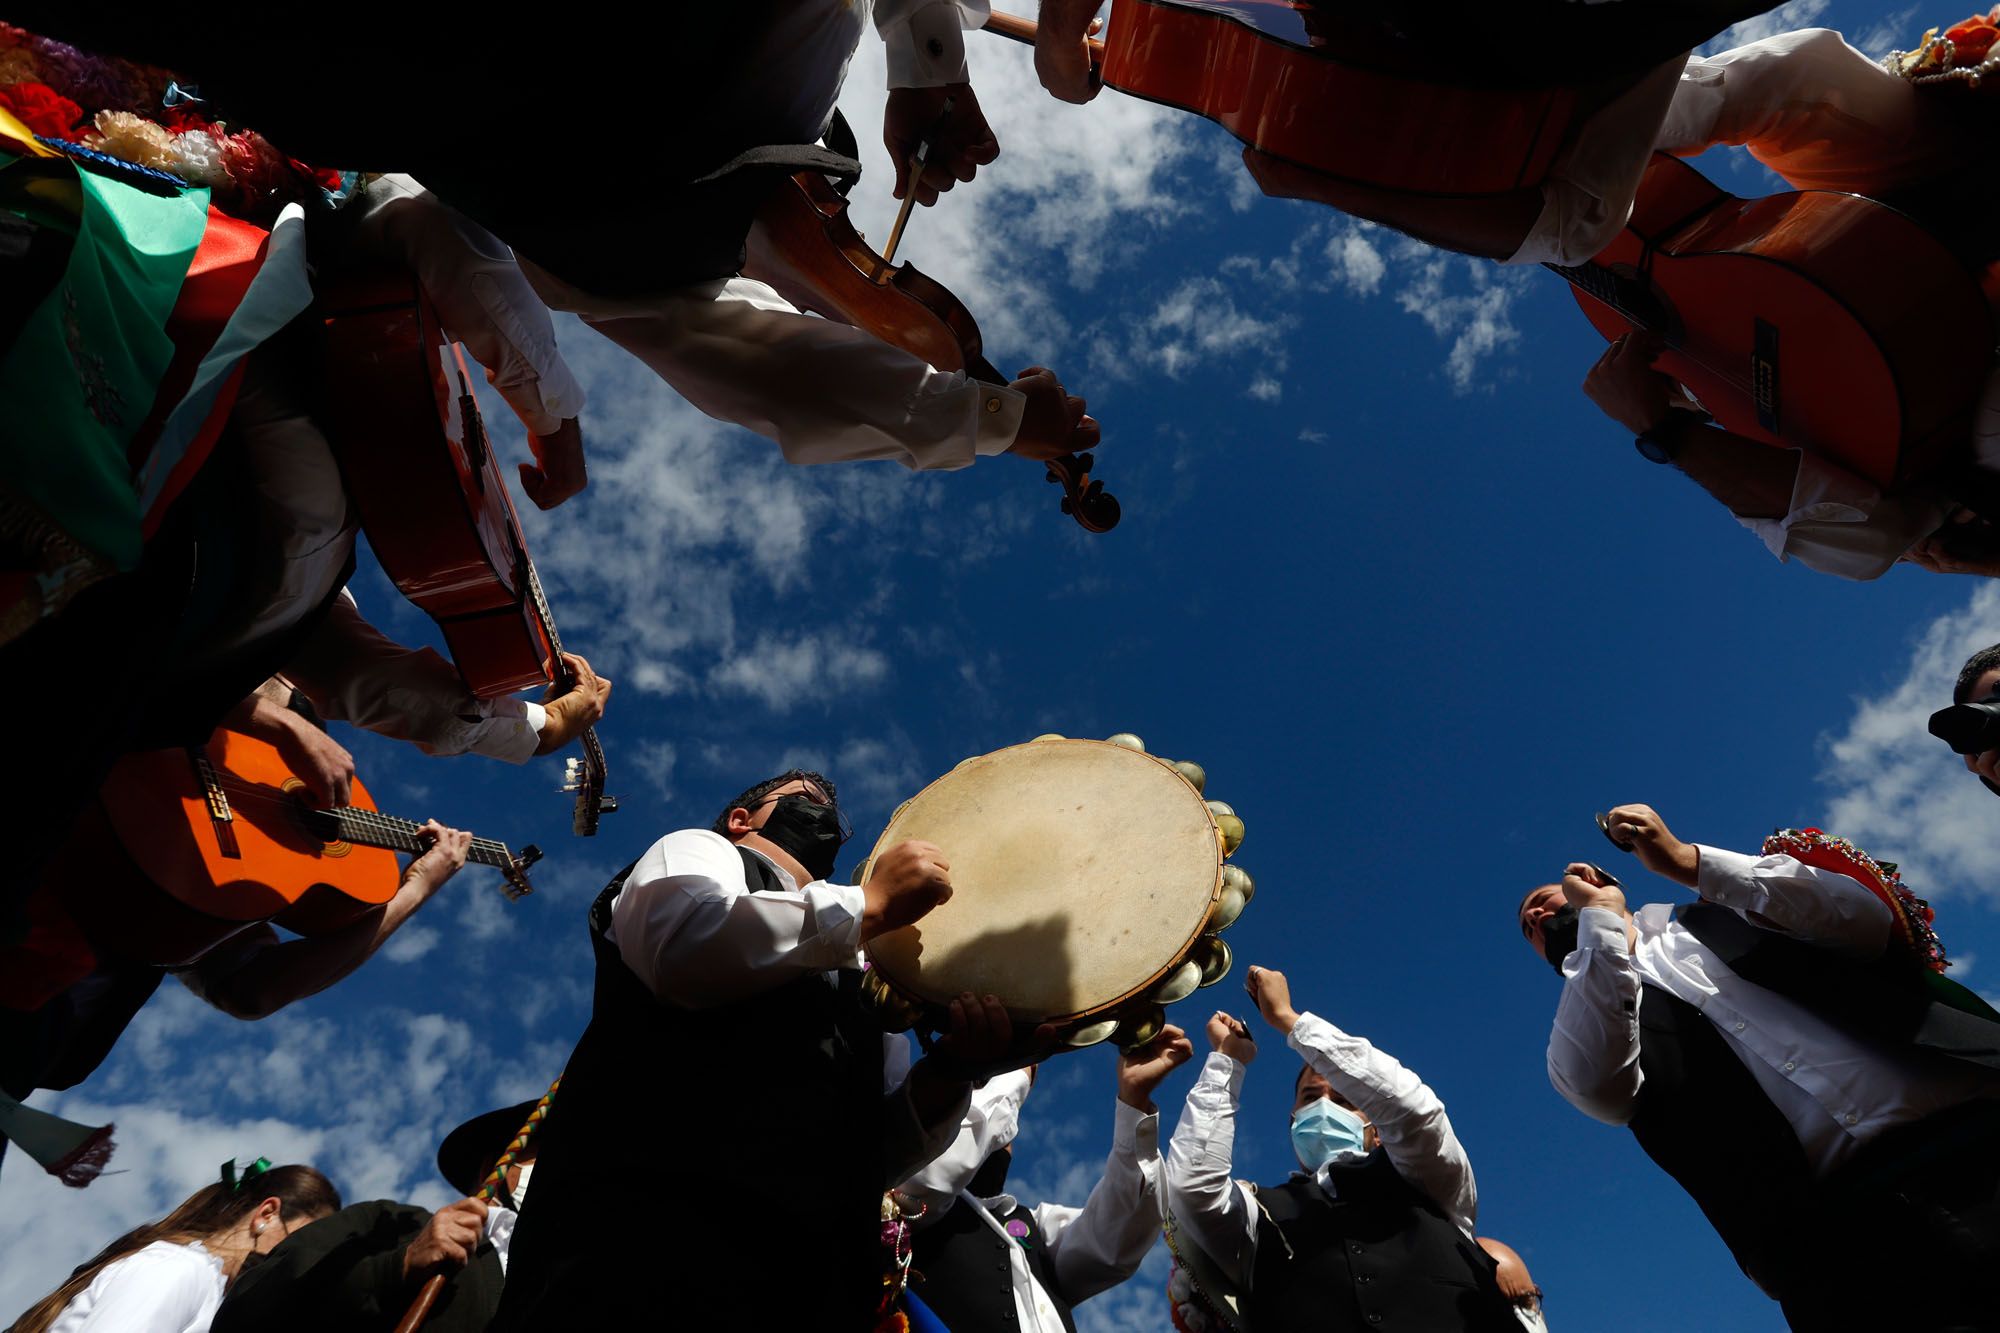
{"x": 1475, "y": 319}
{"x": 1897, "y": 791}
{"x": 655, "y": 759}
{"x": 1310, "y": 436}
{"x": 1791, "y": 15}
{"x": 783, "y": 672}
{"x": 1265, "y": 389}
{"x": 1354, "y": 261}
{"x": 1895, "y": 32}
{"x": 410, "y": 943}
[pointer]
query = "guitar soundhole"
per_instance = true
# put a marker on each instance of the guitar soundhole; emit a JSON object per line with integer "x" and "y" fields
{"x": 296, "y": 789}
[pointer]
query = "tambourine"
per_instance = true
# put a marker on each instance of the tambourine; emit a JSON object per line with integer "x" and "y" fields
{"x": 1090, "y": 884}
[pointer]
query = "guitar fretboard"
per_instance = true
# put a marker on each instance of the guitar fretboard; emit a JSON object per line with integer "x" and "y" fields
{"x": 372, "y": 828}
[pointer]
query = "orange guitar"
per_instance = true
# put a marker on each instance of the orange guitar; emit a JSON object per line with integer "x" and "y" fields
{"x": 184, "y": 847}
{"x": 1809, "y": 319}
{"x": 418, "y": 465}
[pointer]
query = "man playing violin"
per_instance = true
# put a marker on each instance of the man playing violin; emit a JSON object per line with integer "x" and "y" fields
{"x": 729, "y": 1020}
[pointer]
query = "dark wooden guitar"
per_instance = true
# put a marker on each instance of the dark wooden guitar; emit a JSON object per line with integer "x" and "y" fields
{"x": 184, "y": 847}
{"x": 413, "y": 449}
{"x": 1810, "y": 319}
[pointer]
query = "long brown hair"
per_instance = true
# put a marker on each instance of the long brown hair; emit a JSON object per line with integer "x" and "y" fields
{"x": 212, "y": 1210}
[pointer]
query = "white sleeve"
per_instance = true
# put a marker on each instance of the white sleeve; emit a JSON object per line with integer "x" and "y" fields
{"x": 354, "y": 673}
{"x": 1100, "y": 1245}
{"x": 1416, "y": 1132}
{"x": 990, "y": 1123}
{"x": 1209, "y": 1206}
{"x": 688, "y": 926}
{"x": 481, "y": 295}
{"x": 1840, "y": 524}
{"x": 1780, "y": 893}
{"x": 924, "y": 40}
{"x": 826, "y": 392}
{"x": 1594, "y": 1046}
{"x": 151, "y": 1291}
{"x": 908, "y": 1140}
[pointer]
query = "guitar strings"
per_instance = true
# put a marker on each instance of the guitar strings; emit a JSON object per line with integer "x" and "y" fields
{"x": 373, "y": 820}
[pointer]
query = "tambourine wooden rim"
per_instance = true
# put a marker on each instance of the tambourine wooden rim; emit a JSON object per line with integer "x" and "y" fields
{"x": 1175, "y": 855}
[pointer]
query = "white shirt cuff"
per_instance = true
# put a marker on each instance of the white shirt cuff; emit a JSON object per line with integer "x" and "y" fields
{"x": 1600, "y": 928}
{"x": 1138, "y": 1129}
{"x": 1724, "y": 876}
{"x": 836, "y": 910}
{"x": 927, "y": 50}
{"x": 1222, "y": 1071}
{"x": 1000, "y": 409}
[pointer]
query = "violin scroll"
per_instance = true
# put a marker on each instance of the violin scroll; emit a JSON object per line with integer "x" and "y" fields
{"x": 1094, "y": 508}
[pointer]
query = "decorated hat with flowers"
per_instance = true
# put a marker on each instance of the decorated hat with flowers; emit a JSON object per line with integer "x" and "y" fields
{"x": 1912, "y": 915}
{"x": 1961, "y": 56}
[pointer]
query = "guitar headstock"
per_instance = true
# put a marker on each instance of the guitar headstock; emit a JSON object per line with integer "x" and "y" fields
{"x": 585, "y": 777}
{"x": 515, "y": 873}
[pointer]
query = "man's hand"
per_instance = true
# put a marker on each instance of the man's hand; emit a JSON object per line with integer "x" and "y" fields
{"x": 960, "y": 143}
{"x": 979, "y": 1034}
{"x": 1052, "y": 420}
{"x": 1965, "y": 545}
{"x": 447, "y": 1240}
{"x": 1144, "y": 1068}
{"x": 557, "y": 472}
{"x": 1625, "y": 386}
{"x": 1584, "y": 885}
{"x": 907, "y": 881}
{"x": 444, "y": 858}
{"x": 1062, "y": 49}
{"x": 574, "y": 710}
{"x": 1232, "y": 1037}
{"x": 1654, "y": 843}
{"x": 321, "y": 762}
{"x": 1273, "y": 995}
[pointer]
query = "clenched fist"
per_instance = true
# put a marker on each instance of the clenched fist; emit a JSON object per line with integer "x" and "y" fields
{"x": 1231, "y": 1036}
{"x": 1654, "y": 843}
{"x": 908, "y": 881}
{"x": 1584, "y": 885}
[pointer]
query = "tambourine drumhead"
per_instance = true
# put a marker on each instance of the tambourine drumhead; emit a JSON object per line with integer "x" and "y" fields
{"x": 1082, "y": 871}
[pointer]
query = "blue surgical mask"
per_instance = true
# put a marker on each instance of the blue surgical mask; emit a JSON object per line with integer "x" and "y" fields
{"x": 1323, "y": 1132}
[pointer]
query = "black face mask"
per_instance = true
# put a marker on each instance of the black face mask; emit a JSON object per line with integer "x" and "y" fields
{"x": 1559, "y": 936}
{"x": 807, "y": 830}
{"x": 991, "y": 1177}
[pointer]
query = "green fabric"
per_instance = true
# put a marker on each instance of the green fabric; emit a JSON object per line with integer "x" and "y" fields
{"x": 1945, "y": 991}
{"x": 83, "y": 373}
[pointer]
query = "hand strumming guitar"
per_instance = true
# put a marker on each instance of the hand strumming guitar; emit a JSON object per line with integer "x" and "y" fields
{"x": 557, "y": 472}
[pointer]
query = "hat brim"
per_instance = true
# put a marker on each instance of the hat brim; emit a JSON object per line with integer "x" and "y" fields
{"x": 469, "y": 1151}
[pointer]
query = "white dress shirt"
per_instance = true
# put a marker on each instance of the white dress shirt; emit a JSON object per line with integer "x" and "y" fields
{"x": 1221, "y": 1213}
{"x": 162, "y": 1288}
{"x": 1836, "y": 1092}
{"x": 741, "y": 353}
{"x": 688, "y": 925}
{"x": 354, "y": 673}
{"x": 1092, "y": 1248}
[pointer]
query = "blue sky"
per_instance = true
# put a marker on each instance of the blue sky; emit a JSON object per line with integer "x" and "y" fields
{"x": 1415, "y": 605}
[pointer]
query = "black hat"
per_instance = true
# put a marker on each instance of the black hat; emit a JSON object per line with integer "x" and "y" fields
{"x": 469, "y": 1151}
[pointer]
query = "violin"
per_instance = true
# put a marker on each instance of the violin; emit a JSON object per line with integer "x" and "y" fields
{"x": 803, "y": 245}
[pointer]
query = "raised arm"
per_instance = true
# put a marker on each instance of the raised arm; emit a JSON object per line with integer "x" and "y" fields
{"x": 1778, "y": 893}
{"x": 1101, "y": 1244}
{"x": 1594, "y": 1046}
{"x": 1410, "y": 1118}
{"x": 1209, "y": 1206}
{"x": 989, "y": 1124}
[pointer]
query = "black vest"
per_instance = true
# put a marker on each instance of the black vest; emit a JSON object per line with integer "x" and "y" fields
{"x": 967, "y": 1275}
{"x": 1890, "y": 999}
{"x": 1377, "y": 1255}
{"x": 733, "y": 1151}
{"x": 1704, "y": 1120}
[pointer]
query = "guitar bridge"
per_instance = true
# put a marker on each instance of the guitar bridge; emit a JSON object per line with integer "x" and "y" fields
{"x": 217, "y": 800}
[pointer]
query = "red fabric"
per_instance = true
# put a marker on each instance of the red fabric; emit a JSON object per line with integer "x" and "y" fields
{"x": 198, "y": 450}
{"x": 51, "y": 958}
{"x": 42, "y": 109}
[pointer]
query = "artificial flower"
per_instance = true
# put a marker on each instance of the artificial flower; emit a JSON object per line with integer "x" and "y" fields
{"x": 134, "y": 139}
{"x": 42, "y": 109}
{"x": 1972, "y": 38}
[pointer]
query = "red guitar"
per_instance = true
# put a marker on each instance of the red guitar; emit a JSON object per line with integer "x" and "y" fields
{"x": 183, "y": 847}
{"x": 1810, "y": 319}
{"x": 1255, "y": 68}
{"x": 414, "y": 452}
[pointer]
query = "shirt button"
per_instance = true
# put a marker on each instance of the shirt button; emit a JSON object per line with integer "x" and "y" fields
{"x": 1853, "y": 1119}
{"x": 1739, "y": 1025}
{"x": 992, "y": 404}
{"x": 1354, "y": 1247}
{"x": 1790, "y": 1065}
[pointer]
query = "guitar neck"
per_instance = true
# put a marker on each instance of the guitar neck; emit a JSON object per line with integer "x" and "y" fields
{"x": 372, "y": 828}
